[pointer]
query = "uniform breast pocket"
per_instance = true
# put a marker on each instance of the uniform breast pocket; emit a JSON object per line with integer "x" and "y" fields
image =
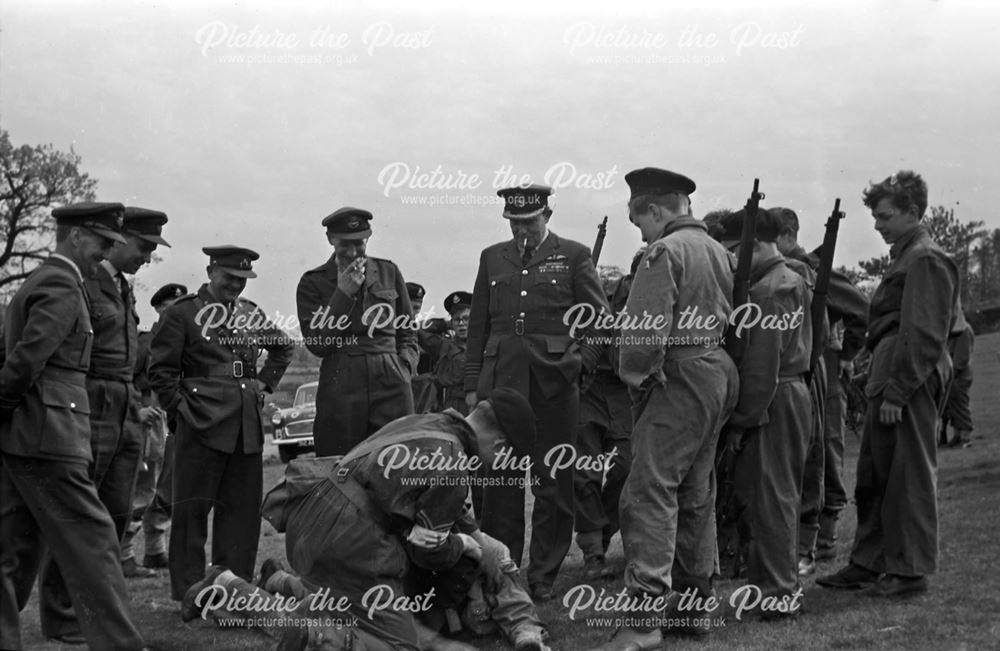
{"x": 500, "y": 294}
{"x": 556, "y": 287}
{"x": 889, "y": 295}
{"x": 380, "y": 305}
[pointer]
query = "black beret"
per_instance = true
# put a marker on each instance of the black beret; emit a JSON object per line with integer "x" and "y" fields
{"x": 166, "y": 293}
{"x": 515, "y": 417}
{"x": 349, "y": 223}
{"x": 769, "y": 226}
{"x": 415, "y": 290}
{"x": 525, "y": 202}
{"x": 457, "y": 300}
{"x": 233, "y": 259}
{"x": 145, "y": 224}
{"x": 103, "y": 218}
{"x": 652, "y": 180}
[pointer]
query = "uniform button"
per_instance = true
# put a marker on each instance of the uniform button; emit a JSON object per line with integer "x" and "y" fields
{"x": 194, "y": 390}
{"x": 493, "y": 283}
{"x": 524, "y": 293}
{"x": 521, "y": 315}
{"x": 243, "y": 386}
{"x": 72, "y": 405}
{"x": 524, "y": 272}
{"x": 553, "y": 281}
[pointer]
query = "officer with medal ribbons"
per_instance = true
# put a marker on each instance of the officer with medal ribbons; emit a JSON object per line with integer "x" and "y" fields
{"x": 518, "y": 339}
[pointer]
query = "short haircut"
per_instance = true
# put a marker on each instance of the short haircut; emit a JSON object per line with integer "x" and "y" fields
{"x": 767, "y": 226}
{"x": 904, "y": 189}
{"x": 789, "y": 221}
{"x": 674, "y": 202}
{"x": 712, "y": 221}
{"x": 63, "y": 231}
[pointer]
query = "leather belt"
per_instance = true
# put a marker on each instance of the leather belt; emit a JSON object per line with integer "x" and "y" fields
{"x": 236, "y": 369}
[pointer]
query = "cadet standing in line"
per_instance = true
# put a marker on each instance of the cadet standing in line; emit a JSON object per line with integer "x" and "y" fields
{"x": 847, "y": 312}
{"x": 364, "y": 379}
{"x": 49, "y": 496}
{"x": 449, "y": 373}
{"x": 116, "y": 414}
{"x": 204, "y": 371}
{"x": 518, "y": 339}
{"x": 604, "y": 430}
{"x": 773, "y": 420}
{"x": 912, "y": 312}
{"x": 429, "y": 342}
{"x": 683, "y": 387}
{"x": 152, "y": 501}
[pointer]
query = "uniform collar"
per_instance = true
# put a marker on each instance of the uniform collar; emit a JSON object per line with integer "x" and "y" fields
{"x": 682, "y": 222}
{"x": 111, "y": 269}
{"x": 919, "y": 232}
{"x": 460, "y": 427}
{"x": 72, "y": 264}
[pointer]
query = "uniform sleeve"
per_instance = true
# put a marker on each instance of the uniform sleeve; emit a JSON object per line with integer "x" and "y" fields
{"x": 479, "y": 326}
{"x": 654, "y": 293}
{"x": 52, "y": 313}
{"x": 166, "y": 352}
{"x": 406, "y": 338}
{"x": 848, "y": 304}
{"x": 924, "y": 323}
{"x": 280, "y": 349}
{"x": 759, "y": 371}
{"x": 313, "y": 309}
{"x": 587, "y": 289}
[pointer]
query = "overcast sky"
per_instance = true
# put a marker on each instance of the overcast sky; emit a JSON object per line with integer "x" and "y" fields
{"x": 247, "y": 123}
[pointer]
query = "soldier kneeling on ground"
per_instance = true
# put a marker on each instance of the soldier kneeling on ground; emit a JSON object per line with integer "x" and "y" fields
{"x": 372, "y": 520}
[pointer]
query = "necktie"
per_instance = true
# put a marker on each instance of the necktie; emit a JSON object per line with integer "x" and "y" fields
{"x": 124, "y": 288}
{"x": 526, "y": 256}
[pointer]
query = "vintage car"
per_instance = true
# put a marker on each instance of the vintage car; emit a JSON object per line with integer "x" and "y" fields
{"x": 293, "y": 426}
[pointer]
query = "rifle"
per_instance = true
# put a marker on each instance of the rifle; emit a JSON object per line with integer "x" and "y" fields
{"x": 602, "y": 231}
{"x": 736, "y": 346}
{"x": 817, "y": 308}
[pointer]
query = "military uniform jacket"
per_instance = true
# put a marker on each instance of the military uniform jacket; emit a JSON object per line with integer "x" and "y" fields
{"x": 773, "y": 354}
{"x": 48, "y": 339}
{"x": 845, "y": 303}
{"x": 450, "y": 370}
{"x": 911, "y": 314}
{"x": 116, "y": 327}
{"x": 321, "y": 304}
{"x": 406, "y": 496}
{"x": 205, "y": 376}
{"x": 516, "y": 324}
{"x": 684, "y": 269}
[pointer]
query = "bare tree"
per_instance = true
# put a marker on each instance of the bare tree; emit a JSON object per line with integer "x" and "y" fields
{"x": 35, "y": 180}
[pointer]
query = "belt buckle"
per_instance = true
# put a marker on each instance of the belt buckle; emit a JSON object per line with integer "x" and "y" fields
{"x": 237, "y": 369}
{"x": 342, "y": 474}
{"x": 519, "y": 326}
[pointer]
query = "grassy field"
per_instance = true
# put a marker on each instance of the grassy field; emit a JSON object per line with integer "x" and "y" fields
{"x": 961, "y": 611}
